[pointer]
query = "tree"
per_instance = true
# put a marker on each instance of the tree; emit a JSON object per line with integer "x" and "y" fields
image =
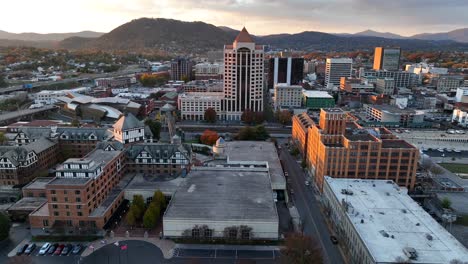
{"x": 253, "y": 133}
{"x": 209, "y": 137}
{"x": 259, "y": 117}
{"x": 436, "y": 169}
{"x": 75, "y": 122}
{"x": 261, "y": 133}
{"x": 159, "y": 199}
{"x": 150, "y": 218}
{"x": 446, "y": 203}
{"x": 301, "y": 249}
{"x": 131, "y": 219}
{"x": 154, "y": 126}
{"x": 5, "y": 225}
{"x": 185, "y": 78}
{"x": 3, "y": 138}
{"x": 138, "y": 206}
{"x": 248, "y": 116}
{"x": 210, "y": 115}
{"x": 3, "y": 83}
{"x": 284, "y": 117}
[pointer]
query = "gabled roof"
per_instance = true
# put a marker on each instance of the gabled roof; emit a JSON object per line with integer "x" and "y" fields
{"x": 158, "y": 151}
{"x": 128, "y": 121}
{"x": 244, "y": 36}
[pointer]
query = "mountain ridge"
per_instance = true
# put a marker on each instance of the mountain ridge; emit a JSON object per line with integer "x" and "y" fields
{"x": 31, "y": 36}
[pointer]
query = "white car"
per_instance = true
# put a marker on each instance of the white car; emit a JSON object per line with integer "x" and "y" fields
{"x": 44, "y": 249}
{"x": 307, "y": 183}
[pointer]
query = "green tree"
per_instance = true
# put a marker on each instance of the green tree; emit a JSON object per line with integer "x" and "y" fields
{"x": 159, "y": 199}
{"x": 150, "y": 218}
{"x": 131, "y": 219}
{"x": 185, "y": 78}
{"x": 5, "y": 225}
{"x": 138, "y": 206}
{"x": 246, "y": 133}
{"x": 301, "y": 249}
{"x": 3, "y": 82}
{"x": 446, "y": 203}
{"x": 210, "y": 115}
{"x": 75, "y": 123}
{"x": 154, "y": 126}
{"x": 261, "y": 133}
{"x": 3, "y": 138}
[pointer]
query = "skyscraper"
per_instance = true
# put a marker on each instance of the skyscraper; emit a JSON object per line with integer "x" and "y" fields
{"x": 181, "y": 69}
{"x": 387, "y": 59}
{"x": 285, "y": 70}
{"x": 243, "y": 76}
{"x": 337, "y": 68}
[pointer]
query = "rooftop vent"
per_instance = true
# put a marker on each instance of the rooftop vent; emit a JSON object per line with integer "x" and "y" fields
{"x": 418, "y": 224}
{"x": 410, "y": 252}
{"x": 346, "y": 192}
{"x": 362, "y": 221}
{"x": 403, "y": 211}
{"x": 429, "y": 237}
{"x": 383, "y": 233}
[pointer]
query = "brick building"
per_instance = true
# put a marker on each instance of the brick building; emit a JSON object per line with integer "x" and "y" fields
{"x": 84, "y": 194}
{"x": 339, "y": 147}
{"x": 300, "y": 128}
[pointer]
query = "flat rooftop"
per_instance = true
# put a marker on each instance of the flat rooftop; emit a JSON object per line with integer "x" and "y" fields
{"x": 99, "y": 156}
{"x": 141, "y": 183}
{"x": 316, "y": 94}
{"x": 38, "y": 183}
{"x": 28, "y": 204}
{"x": 395, "y": 143}
{"x": 388, "y": 211}
{"x": 224, "y": 195}
{"x": 395, "y": 110}
{"x": 69, "y": 181}
{"x": 258, "y": 151}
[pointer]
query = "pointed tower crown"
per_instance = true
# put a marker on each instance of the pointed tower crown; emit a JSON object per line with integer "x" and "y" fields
{"x": 244, "y": 37}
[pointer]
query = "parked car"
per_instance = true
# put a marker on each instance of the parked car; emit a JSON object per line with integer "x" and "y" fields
{"x": 334, "y": 240}
{"x": 30, "y": 249}
{"x": 58, "y": 250}
{"x": 307, "y": 183}
{"x": 44, "y": 248}
{"x": 66, "y": 249}
{"x": 52, "y": 249}
{"x": 22, "y": 249}
{"x": 77, "y": 249}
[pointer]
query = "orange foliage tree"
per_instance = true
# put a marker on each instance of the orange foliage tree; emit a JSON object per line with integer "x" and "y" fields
{"x": 209, "y": 137}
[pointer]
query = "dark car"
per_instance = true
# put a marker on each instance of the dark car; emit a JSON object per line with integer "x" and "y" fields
{"x": 22, "y": 249}
{"x": 334, "y": 240}
{"x": 77, "y": 249}
{"x": 58, "y": 250}
{"x": 52, "y": 249}
{"x": 30, "y": 249}
{"x": 67, "y": 249}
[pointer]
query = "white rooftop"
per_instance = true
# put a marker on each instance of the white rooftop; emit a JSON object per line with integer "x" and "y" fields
{"x": 320, "y": 94}
{"x": 387, "y": 209}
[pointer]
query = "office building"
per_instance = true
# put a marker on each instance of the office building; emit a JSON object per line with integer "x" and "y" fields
{"x": 339, "y": 147}
{"x": 243, "y": 76}
{"x": 462, "y": 95}
{"x": 285, "y": 70}
{"x": 460, "y": 115}
{"x": 385, "y": 86}
{"x": 378, "y": 222}
{"x": 181, "y": 69}
{"x": 337, "y": 68}
{"x": 209, "y": 71}
{"x": 448, "y": 83}
{"x": 193, "y": 105}
{"x": 387, "y": 59}
{"x": 287, "y": 96}
{"x": 402, "y": 78}
{"x": 390, "y": 115}
{"x": 355, "y": 85}
{"x": 315, "y": 100}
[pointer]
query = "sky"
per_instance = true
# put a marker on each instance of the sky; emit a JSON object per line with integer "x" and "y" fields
{"x": 261, "y": 17}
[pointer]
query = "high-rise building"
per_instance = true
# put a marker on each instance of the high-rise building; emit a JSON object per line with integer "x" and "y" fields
{"x": 285, "y": 70}
{"x": 339, "y": 147}
{"x": 181, "y": 69}
{"x": 385, "y": 86}
{"x": 243, "y": 76}
{"x": 387, "y": 59}
{"x": 337, "y": 68}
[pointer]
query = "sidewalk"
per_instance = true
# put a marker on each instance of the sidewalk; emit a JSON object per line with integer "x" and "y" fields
{"x": 166, "y": 246}
{"x": 227, "y": 247}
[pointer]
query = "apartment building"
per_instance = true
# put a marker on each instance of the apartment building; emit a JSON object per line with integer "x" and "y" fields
{"x": 300, "y": 128}
{"x": 84, "y": 194}
{"x": 338, "y": 147}
{"x": 355, "y": 85}
{"x": 192, "y": 106}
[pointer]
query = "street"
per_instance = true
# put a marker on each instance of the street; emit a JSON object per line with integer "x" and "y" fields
{"x": 309, "y": 210}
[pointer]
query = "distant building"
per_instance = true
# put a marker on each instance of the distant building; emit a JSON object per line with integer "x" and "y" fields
{"x": 394, "y": 116}
{"x": 285, "y": 70}
{"x": 315, "y": 100}
{"x": 380, "y": 223}
{"x": 300, "y": 128}
{"x": 337, "y": 68}
{"x": 243, "y": 76}
{"x": 402, "y": 79}
{"x": 339, "y": 147}
{"x": 385, "y": 86}
{"x": 387, "y": 59}
{"x": 115, "y": 82}
{"x": 209, "y": 71}
{"x": 128, "y": 129}
{"x": 447, "y": 83}
{"x": 460, "y": 115}
{"x": 288, "y": 96}
{"x": 181, "y": 69}
{"x": 462, "y": 95}
{"x": 355, "y": 85}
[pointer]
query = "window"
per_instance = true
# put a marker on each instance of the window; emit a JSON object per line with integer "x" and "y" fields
{"x": 208, "y": 233}
{"x": 69, "y": 223}
{"x": 245, "y": 234}
{"x": 45, "y": 222}
{"x": 78, "y": 199}
{"x": 54, "y": 206}
{"x": 78, "y": 206}
{"x": 52, "y": 191}
{"x": 79, "y": 214}
{"x": 54, "y": 199}
{"x": 195, "y": 233}
{"x": 233, "y": 233}
{"x": 56, "y": 213}
{"x": 77, "y": 192}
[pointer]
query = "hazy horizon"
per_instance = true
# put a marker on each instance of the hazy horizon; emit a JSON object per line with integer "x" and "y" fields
{"x": 261, "y": 17}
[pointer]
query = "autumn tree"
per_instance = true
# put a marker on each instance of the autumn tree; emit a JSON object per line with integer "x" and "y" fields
{"x": 248, "y": 116}
{"x": 301, "y": 249}
{"x": 209, "y": 137}
{"x": 131, "y": 219}
{"x": 284, "y": 117}
{"x": 138, "y": 206}
{"x": 210, "y": 115}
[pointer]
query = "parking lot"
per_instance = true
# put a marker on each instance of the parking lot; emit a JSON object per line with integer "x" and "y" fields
{"x": 51, "y": 256}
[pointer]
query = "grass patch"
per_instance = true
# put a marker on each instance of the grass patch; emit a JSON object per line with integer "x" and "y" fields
{"x": 455, "y": 167}
{"x": 462, "y": 220}
{"x": 65, "y": 238}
